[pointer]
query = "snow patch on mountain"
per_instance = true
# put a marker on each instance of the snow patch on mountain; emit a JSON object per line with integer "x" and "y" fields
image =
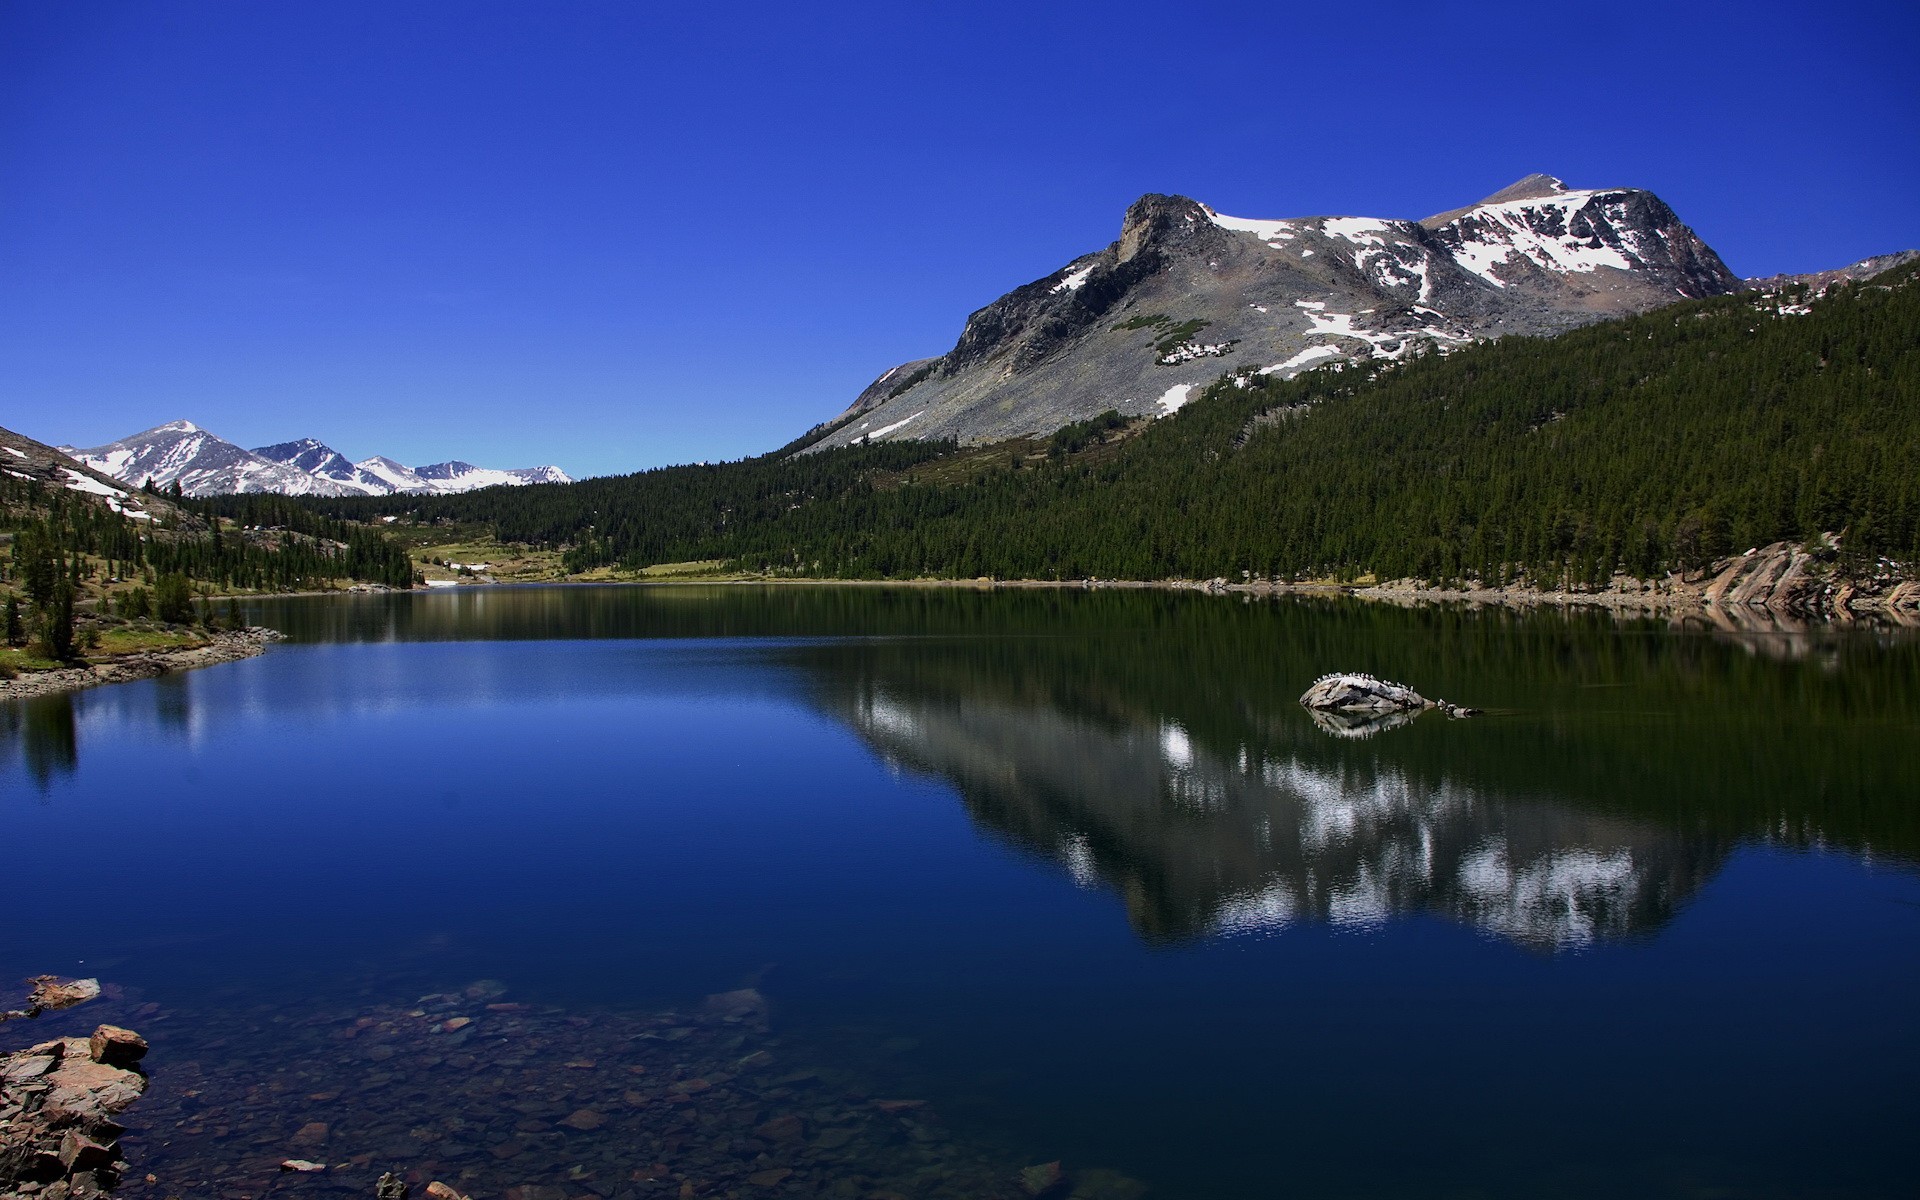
{"x": 884, "y": 430}
{"x": 1301, "y": 361}
{"x": 116, "y": 499}
{"x": 1267, "y": 231}
{"x": 1076, "y": 280}
{"x": 1175, "y": 398}
{"x": 1557, "y": 234}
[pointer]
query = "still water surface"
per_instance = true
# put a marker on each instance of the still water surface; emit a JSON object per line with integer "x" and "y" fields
{"x": 1074, "y": 868}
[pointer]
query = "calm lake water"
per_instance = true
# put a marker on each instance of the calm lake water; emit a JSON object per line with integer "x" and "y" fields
{"x": 1073, "y": 868}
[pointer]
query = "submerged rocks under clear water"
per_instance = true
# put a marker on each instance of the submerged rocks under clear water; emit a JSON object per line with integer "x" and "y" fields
{"x": 486, "y": 1098}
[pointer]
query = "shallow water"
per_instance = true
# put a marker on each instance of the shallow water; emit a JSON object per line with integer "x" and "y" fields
{"x": 1073, "y": 868}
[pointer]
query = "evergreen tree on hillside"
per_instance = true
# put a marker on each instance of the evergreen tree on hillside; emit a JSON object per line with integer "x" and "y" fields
{"x": 56, "y": 623}
{"x": 173, "y": 599}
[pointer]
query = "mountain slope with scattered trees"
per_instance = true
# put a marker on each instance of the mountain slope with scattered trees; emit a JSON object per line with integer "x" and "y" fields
{"x": 89, "y": 566}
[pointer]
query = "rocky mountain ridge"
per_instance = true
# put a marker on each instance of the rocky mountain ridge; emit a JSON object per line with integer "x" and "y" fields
{"x": 1187, "y": 294}
{"x": 204, "y": 464}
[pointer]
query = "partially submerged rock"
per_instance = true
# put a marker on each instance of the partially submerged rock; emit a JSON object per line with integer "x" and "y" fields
{"x": 1361, "y": 693}
{"x": 51, "y": 993}
{"x": 117, "y": 1047}
{"x": 1041, "y": 1178}
{"x": 745, "y": 1004}
{"x": 1345, "y": 696}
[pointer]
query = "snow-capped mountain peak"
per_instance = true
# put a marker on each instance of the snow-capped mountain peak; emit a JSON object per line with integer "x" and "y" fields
{"x": 310, "y": 455}
{"x": 1188, "y": 294}
{"x": 397, "y": 478}
{"x": 205, "y": 465}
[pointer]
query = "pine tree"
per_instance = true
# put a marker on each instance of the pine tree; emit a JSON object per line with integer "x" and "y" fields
{"x": 56, "y": 623}
{"x": 173, "y": 599}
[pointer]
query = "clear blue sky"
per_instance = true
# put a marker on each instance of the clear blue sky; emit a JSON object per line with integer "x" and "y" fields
{"x": 616, "y": 235}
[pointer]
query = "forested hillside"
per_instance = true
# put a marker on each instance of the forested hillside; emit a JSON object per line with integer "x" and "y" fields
{"x": 85, "y": 561}
{"x": 1642, "y": 445}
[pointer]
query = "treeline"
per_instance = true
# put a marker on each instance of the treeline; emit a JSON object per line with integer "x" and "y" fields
{"x": 1643, "y": 445}
{"x": 671, "y": 514}
{"x": 63, "y": 548}
{"x": 281, "y": 546}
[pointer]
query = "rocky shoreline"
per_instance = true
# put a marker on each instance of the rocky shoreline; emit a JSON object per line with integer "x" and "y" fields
{"x": 467, "y": 1093}
{"x": 1768, "y": 587}
{"x": 1783, "y": 583}
{"x": 58, "y": 1101}
{"x": 222, "y": 647}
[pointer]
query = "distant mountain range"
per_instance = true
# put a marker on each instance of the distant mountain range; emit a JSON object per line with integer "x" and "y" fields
{"x": 206, "y": 465}
{"x": 1188, "y": 294}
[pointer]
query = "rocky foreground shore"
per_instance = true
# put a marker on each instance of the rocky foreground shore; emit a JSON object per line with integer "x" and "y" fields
{"x": 470, "y": 1095}
{"x": 58, "y": 1101}
{"x": 221, "y": 647}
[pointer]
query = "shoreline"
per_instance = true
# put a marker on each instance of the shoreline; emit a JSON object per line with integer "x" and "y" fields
{"x": 1899, "y": 604}
{"x": 228, "y": 646}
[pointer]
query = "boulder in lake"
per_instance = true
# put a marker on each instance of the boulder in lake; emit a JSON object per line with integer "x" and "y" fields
{"x": 117, "y": 1047}
{"x": 1362, "y": 693}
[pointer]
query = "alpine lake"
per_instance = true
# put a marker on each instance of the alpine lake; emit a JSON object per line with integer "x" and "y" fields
{"x": 735, "y": 891}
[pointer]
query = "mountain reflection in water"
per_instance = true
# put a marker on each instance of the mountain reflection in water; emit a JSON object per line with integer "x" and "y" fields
{"x": 1199, "y": 842}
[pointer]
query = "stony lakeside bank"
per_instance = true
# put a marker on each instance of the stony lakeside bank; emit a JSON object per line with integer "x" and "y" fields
{"x": 1770, "y": 587}
{"x": 227, "y": 646}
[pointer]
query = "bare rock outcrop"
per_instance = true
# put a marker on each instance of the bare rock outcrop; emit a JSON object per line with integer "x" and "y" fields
{"x": 1784, "y": 576}
{"x": 58, "y": 1101}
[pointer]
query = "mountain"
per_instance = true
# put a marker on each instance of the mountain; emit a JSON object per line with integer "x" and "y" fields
{"x": 1668, "y": 442}
{"x": 201, "y": 463}
{"x": 457, "y": 476}
{"x": 206, "y": 465}
{"x": 323, "y": 462}
{"x": 1820, "y": 281}
{"x": 1188, "y": 294}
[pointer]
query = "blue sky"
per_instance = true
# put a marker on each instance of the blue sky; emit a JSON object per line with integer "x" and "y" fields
{"x": 617, "y": 235}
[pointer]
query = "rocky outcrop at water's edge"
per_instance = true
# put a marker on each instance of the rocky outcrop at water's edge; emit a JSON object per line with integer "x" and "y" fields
{"x": 58, "y": 1101}
{"x": 222, "y": 647}
{"x": 1780, "y": 580}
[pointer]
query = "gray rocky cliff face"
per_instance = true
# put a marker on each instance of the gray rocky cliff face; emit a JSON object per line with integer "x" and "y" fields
{"x": 1187, "y": 294}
